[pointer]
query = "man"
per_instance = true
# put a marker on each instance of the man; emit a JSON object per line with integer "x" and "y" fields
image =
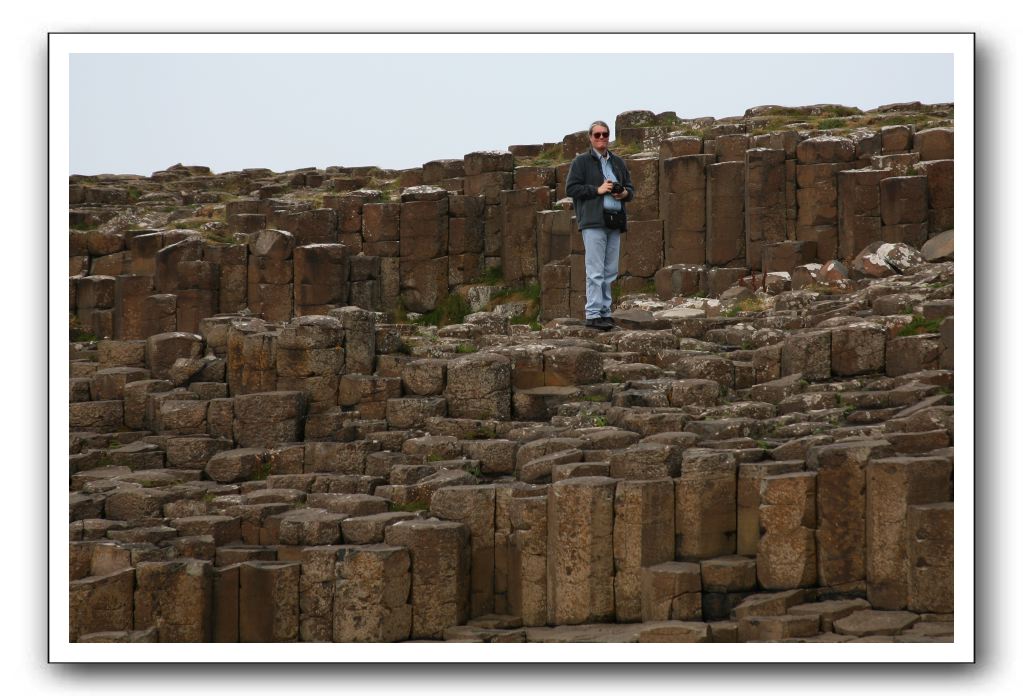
{"x": 599, "y": 184}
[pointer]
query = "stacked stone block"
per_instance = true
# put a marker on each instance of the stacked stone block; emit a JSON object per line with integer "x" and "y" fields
{"x": 580, "y": 556}
{"x": 684, "y": 206}
{"x": 527, "y": 561}
{"x": 764, "y": 206}
{"x": 372, "y": 594}
{"x": 519, "y": 237}
{"x": 818, "y": 162}
{"x": 894, "y": 485}
{"x": 904, "y": 210}
{"x": 310, "y": 358}
{"x": 644, "y": 524}
{"x": 465, "y": 239}
{"x": 423, "y": 268}
{"x": 787, "y": 552}
{"x": 439, "y": 553}
{"x": 271, "y": 287}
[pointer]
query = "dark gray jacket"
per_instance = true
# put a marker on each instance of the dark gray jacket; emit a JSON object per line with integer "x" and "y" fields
{"x": 584, "y": 176}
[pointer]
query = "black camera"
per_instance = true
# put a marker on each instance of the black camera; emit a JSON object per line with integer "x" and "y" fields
{"x": 616, "y": 187}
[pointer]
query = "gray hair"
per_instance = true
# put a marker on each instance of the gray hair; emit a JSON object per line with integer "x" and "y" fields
{"x": 599, "y": 123}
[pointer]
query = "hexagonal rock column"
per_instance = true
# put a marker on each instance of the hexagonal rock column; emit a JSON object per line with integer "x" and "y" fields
{"x": 644, "y": 535}
{"x": 808, "y": 353}
{"x": 163, "y": 349}
{"x": 857, "y": 349}
{"x": 101, "y": 603}
{"x": 841, "y": 508}
{"x": 748, "y": 500}
{"x": 929, "y": 529}
{"x": 177, "y": 598}
{"x": 904, "y": 210}
{"x": 683, "y": 207}
{"x": 671, "y": 591}
{"x": 423, "y": 226}
{"x": 940, "y": 195}
{"x": 440, "y": 573}
{"x": 518, "y": 232}
{"x": 787, "y": 553}
{"x": 479, "y": 386}
{"x": 271, "y": 288}
{"x": 726, "y": 218}
{"x": 360, "y": 338}
{"x": 310, "y": 358}
{"x": 705, "y": 505}
{"x": 527, "y": 562}
{"x": 474, "y": 506}
{"x": 263, "y": 420}
{"x": 321, "y": 278}
{"x": 765, "y": 207}
{"x": 859, "y": 212}
{"x": 268, "y": 602}
{"x": 580, "y": 556}
{"x": 893, "y": 485}
{"x": 371, "y": 594}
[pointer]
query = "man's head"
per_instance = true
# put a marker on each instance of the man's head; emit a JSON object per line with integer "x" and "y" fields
{"x": 600, "y": 133}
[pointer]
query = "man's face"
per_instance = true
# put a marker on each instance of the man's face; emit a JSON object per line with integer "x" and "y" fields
{"x": 599, "y": 136}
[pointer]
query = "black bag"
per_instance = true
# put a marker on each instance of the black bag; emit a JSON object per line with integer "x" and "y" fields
{"x": 614, "y": 219}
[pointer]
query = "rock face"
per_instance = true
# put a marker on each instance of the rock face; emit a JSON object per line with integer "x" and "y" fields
{"x": 263, "y": 448}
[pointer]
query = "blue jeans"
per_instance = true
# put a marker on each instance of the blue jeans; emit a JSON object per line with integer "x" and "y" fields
{"x": 602, "y": 247}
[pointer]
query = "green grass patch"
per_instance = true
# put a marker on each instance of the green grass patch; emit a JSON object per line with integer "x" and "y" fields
{"x": 747, "y": 304}
{"x": 919, "y": 325}
{"x": 548, "y": 156}
{"x": 482, "y": 434}
{"x": 77, "y": 332}
{"x": 629, "y": 149}
{"x": 830, "y": 123}
{"x": 414, "y": 506}
{"x": 451, "y": 310}
{"x": 492, "y": 276}
{"x": 466, "y": 348}
{"x": 528, "y": 294}
{"x": 598, "y": 421}
{"x": 594, "y": 397}
{"x": 261, "y": 472}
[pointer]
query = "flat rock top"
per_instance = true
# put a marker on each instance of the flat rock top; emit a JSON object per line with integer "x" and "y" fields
{"x": 585, "y": 633}
{"x": 871, "y": 622}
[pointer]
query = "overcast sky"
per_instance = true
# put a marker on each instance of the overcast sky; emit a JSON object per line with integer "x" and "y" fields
{"x": 139, "y": 113}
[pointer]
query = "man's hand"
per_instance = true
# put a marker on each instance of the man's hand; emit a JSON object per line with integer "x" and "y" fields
{"x": 621, "y": 196}
{"x": 604, "y": 188}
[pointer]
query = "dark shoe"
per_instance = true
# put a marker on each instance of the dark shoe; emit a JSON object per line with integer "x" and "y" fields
{"x": 608, "y": 323}
{"x": 597, "y": 323}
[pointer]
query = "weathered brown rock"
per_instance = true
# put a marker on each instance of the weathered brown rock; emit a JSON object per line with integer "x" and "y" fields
{"x": 268, "y": 608}
{"x": 787, "y": 553}
{"x": 705, "y": 509}
{"x": 101, "y": 603}
{"x": 929, "y": 529}
{"x": 439, "y": 553}
{"x": 841, "y": 508}
{"x": 893, "y": 485}
{"x": 644, "y": 535}
{"x": 474, "y": 506}
{"x": 580, "y": 519}
{"x": 371, "y": 594}
{"x": 175, "y": 597}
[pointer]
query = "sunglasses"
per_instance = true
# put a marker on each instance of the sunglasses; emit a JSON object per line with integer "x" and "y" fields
{"x": 600, "y": 136}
